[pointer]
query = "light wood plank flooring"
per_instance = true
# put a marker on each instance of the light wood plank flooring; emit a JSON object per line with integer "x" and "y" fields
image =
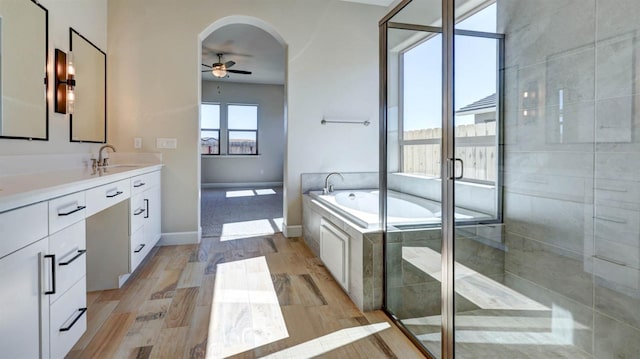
{"x": 164, "y": 310}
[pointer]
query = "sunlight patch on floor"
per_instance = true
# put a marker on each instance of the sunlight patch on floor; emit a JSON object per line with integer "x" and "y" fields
{"x": 264, "y": 192}
{"x": 329, "y": 342}
{"x": 481, "y": 290}
{"x": 245, "y": 311}
{"x": 248, "y": 229}
{"x": 242, "y": 193}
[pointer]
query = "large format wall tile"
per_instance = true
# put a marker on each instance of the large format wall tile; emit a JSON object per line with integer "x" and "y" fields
{"x": 538, "y": 29}
{"x": 580, "y": 325}
{"x": 615, "y": 339}
{"x": 560, "y": 223}
{"x": 551, "y": 267}
{"x": 617, "y": 291}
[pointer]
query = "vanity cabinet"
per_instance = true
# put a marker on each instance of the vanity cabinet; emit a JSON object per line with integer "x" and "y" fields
{"x": 23, "y": 247}
{"x": 43, "y": 273}
{"x": 145, "y": 216}
{"x": 47, "y": 263}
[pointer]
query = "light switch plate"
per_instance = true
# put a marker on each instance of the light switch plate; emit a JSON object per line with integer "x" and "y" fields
{"x": 137, "y": 142}
{"x": 167, "y": 143}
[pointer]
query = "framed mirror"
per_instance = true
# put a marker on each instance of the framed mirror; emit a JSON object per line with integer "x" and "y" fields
{"x": 88, "y": 120}
{"x": 24, "y": 111}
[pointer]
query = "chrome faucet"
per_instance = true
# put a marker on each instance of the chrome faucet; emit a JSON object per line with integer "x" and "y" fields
{"x": 102, "y": 162}
{"x": 328, "y": 188}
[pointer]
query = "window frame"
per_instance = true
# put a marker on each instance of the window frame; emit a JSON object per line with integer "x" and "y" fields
{"x": 218, "y": 130}
{"x": 229, "y": 129}
{"x": 481, "y": 141}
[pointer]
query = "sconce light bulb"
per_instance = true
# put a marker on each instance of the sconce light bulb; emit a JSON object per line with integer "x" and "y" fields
{"x": 71, "y": 96}
{"x": 525, "y": 112}
{"x": 71, "y": 70}
{"x": 525, "y": 94}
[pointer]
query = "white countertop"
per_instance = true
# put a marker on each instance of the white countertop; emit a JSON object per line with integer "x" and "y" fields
{"x": 24, "y": 189}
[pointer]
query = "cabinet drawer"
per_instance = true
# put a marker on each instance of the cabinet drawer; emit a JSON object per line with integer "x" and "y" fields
{"x": 69, "y": 248}
{"x": 139, "y": 210}
{"x": 22, "y": 226}
{"x": 68, "y": 320}
{"x": 107, "y": 195}
{"x": 66, "y": 210}
{"x": 144, "y": 182}
{"x": 139, "y": 249}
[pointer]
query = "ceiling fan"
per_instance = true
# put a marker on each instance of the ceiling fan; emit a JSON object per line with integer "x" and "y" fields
{"x": 220, "y": 69}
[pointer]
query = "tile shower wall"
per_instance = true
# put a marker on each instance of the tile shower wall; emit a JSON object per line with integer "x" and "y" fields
{"x": 572, "y": 164}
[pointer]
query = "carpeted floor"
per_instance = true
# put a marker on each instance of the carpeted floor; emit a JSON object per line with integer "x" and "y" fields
{"x": 235, "y": 213}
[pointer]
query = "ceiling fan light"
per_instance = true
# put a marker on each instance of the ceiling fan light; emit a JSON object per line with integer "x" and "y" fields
{"x": 219, "y": 71}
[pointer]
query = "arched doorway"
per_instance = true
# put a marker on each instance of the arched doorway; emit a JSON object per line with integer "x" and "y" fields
{"x": 242, "y": 125}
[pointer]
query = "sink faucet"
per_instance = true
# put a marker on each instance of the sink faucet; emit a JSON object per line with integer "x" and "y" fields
{"x": 104, "y": 161}
{"x": 328, "y": 188}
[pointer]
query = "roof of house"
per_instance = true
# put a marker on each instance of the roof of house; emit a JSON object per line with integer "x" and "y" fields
{"x": 487, "y": 103}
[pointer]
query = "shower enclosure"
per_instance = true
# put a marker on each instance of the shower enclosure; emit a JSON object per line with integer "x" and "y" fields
{"x": 517, "y": 119}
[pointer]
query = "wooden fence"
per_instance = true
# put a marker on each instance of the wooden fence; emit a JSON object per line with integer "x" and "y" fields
{"x": 475, "y": 145}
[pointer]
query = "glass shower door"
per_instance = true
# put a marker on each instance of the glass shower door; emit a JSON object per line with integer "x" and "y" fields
{"x": 412, "y": 172}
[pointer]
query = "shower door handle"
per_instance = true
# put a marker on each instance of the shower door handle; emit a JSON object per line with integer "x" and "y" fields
{"x": 452, "y": 169}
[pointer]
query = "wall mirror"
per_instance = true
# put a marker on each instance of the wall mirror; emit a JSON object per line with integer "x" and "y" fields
{"x": 23, "y": 70}
{"x": 88, "y": 119}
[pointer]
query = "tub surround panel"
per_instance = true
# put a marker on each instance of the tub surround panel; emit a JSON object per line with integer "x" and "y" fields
{"x": 365, "y": 252}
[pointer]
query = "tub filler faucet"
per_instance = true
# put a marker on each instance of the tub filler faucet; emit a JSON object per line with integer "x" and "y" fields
{"x": 328, "y": 188}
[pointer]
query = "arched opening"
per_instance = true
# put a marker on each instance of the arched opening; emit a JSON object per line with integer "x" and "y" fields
{"x": 242, "y": 128}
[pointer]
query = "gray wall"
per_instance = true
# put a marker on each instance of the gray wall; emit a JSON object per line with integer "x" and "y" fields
{"x": 268, "y": 166}
{"x": 572, "y": 197}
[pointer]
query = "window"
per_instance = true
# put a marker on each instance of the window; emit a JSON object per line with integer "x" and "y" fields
{"x": 230, "y": 128}
{"x": 210, "y": 130}
{"x": 476, "y": 100}
{"x": 242, "y": 129}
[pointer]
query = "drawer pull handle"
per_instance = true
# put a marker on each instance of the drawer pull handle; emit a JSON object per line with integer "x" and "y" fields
{"x": 53, "y": 274}
{"x": 138, "y": 185}
{"x": 139, "y": 212}
{"x": 77, "y": 209}
{"x": 114, "y": 195}
{"x": 146, "y": 201}
{"x": 78, "y": 255}
{"x": 82, "y": 311}
{"x": 139, "y": 249}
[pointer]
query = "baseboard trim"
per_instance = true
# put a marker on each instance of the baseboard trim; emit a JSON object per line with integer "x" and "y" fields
{"x": 292, "y": 231}
{"x": 241, "y": 184}
{"x": 177, "y": 238}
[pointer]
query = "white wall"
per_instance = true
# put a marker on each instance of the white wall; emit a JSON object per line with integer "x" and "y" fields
{"x": 88, "y": 17}
{"x": 268, "y": 166}
{"x": 154, "y": 90}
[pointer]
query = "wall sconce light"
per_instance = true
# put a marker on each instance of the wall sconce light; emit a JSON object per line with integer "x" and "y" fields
{"x": 64, "y": 94}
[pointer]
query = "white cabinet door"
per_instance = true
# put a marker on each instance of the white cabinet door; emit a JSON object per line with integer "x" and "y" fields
{"x": 334, "y": 252}
{"x": 20, "y": 310}
{"x": 152, "y": 225}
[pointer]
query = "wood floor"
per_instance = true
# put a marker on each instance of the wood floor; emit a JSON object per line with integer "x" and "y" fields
{"x": 164, "y": 311}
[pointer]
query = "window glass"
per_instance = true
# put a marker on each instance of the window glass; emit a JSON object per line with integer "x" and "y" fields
{"x": 242, "y": 117}
{"x": 243, "y": 142}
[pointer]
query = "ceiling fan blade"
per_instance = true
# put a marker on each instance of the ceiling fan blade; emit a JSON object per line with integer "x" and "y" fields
{"x": 206, "y": 65}
{"x": 242, "y": 72}
{"x": 206, "y": 71}
{"x": 229, "y": 64}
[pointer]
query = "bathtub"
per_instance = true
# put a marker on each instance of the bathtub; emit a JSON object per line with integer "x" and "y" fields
{"x": 362, "y": 207}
